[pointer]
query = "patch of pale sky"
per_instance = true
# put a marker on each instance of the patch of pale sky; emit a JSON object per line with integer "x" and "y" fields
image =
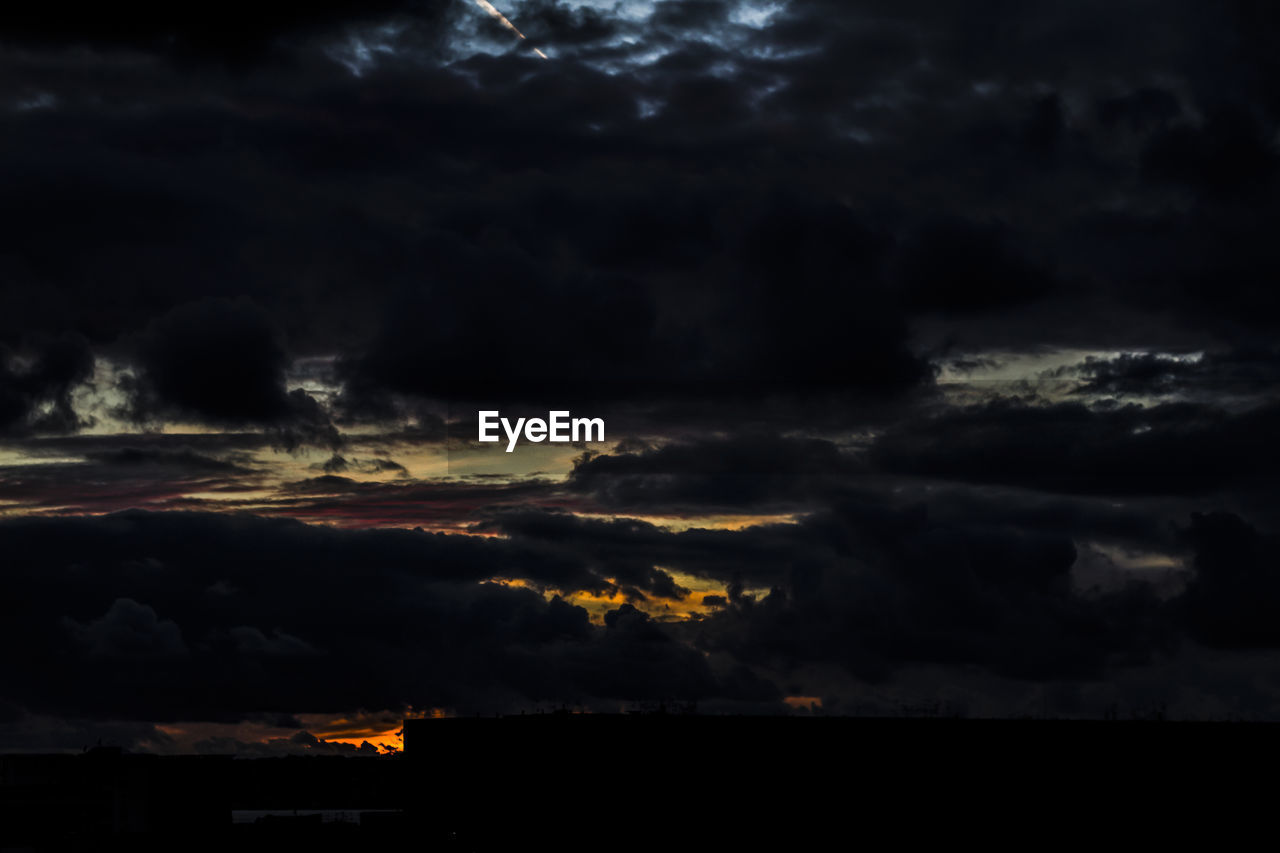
{"x": 1006, "y": 366}
{"x": 360, "y": 51}
{"x": 1052, "y": 376}
{"x": 38, "y": 101}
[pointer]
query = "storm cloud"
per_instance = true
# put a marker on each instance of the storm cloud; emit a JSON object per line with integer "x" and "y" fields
{"x": 935, "y": 345}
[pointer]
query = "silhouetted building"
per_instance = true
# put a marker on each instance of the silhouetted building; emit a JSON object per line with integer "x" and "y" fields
{"x": 687, "y": 781}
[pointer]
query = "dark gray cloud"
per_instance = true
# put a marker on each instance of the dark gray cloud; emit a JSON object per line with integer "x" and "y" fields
{"x": 1173, "y": 448}
{"x": 1232, "y": 601}
{"x": 773, "y": 204}
{"x": 742, "y": 471}
{"x": 222, "y": 362}
{"x": 180, "y": 458}
{"x": 746, "y": 235}
{"x": 36, "y": 384}
{"x": 113, "y": 472}
{"x": 1245, "y": 372}
{"x": 187, "y": 616}
{"x": 219, "y": 360}
{"x": 878, "y": 592}
{"x": 235, "y": 32}
{"x": 174, "y": 616}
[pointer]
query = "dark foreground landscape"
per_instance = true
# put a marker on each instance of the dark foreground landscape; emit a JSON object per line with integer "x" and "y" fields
{"x": 602, "y": 781}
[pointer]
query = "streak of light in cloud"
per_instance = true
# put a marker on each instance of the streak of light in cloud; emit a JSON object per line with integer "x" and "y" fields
{"x": 488, "y": 7}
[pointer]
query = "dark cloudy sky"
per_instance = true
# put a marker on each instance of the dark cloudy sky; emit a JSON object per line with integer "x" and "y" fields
{"x": 936, "y": 343}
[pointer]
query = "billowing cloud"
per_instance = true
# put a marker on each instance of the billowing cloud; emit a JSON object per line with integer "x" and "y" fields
{"x": 36, "y": 384}
{"x": 222, "y": 362}
{"x": 936, "y": 345}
